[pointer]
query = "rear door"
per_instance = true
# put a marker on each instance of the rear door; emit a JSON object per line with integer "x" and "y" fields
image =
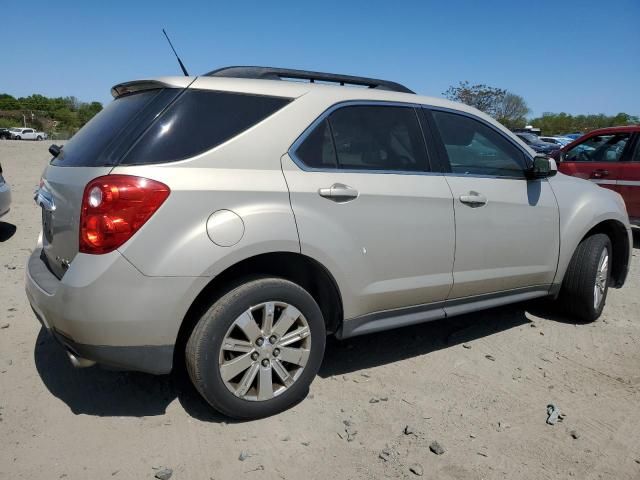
{"x": 507, "y": 234}
{"x": 597, "y": 158}
{"x": 368, "y": 208}
{"x": 628, "y": 183}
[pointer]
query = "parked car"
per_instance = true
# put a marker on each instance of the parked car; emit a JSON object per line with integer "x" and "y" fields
{"x": 536, "y": 144}
{"x": 573, "y": 135}
{"x": 5, "y": 195}
{"x": 5, "y": 134}
{"x": 27, "y": 134}
{"x": 561, "y": 141}
{"x": 282, "y": 211}
{"x": 609, "y": 157}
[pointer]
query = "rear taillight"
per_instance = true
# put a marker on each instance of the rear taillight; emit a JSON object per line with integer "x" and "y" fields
{"x": 114, "y": 207}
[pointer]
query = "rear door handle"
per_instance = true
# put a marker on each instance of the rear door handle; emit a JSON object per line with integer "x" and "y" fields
{"x": 473, "y": 199}
{"x": 600, "y": 173}
{"x": 339, "y": 192}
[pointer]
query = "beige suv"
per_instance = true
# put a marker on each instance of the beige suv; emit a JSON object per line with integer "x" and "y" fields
{"x": 235, "y": 219}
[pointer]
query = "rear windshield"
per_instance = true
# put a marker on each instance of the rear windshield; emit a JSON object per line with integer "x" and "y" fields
{"x": 166, "y": 125}
{"x": 108, "y": 135}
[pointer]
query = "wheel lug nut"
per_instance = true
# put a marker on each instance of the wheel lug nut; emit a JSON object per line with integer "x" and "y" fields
{"x": 265, "y": 363}
{"x": 273, "y": 339}
{"x": 276, "y": 352}
{"x": 254, "y": 356}
{"x": 260, "y": 341}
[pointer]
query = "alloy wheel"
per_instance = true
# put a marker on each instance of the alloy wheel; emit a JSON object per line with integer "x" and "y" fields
{"x": 265, "y": 351}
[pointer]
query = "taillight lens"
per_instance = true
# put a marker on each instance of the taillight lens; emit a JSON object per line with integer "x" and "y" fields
{"x": 114, "y": 207}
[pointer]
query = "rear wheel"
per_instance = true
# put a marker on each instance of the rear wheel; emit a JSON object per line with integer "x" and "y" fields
{"x": 39, "y": 138}
{"x": 586, "y": 282}
{"x": 255, "y": 352}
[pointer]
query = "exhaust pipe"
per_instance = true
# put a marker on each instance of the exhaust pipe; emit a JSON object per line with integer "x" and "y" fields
{"x": 79, "y": 362}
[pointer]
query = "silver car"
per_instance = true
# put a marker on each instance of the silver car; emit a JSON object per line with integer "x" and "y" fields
{"x": 5, "y": 195}
{"x": 234, "y": 220}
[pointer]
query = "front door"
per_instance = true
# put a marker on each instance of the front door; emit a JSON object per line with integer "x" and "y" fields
{"x": 628, "y": 182}
{"x": 368, "y": 209}
{"x": 506, "y": 226}
{"x": 597, "y": 158}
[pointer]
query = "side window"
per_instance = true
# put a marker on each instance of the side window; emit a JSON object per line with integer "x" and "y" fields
{"x": 599, "y": 148}
{"x": 636, "y": 154}
{"x": 378, "y": 138}
{"x": 316, "y": 151}
{"x": 474, "y": 148}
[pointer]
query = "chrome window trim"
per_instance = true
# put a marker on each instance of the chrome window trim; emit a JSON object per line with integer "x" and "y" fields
{"x": 323, "y": 116}
{"x": 349, "y": 103}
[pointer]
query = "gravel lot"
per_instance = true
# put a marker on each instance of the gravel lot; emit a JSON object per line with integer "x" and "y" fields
{"x": 479, "y": 385}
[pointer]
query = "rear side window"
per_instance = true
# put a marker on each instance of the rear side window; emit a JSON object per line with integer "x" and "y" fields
{"x": 198, "y": 121}
{"x": 362, "y": 137}
{"x": 474, "y": 148}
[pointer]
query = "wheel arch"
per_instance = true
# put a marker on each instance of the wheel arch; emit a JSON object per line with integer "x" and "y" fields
{"x": 619, "y": 237}
{"x": 296, "y": 267}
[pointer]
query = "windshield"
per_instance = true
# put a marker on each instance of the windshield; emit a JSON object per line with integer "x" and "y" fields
{"x": 529, "y": 137}
{"x": 15, "y": 129}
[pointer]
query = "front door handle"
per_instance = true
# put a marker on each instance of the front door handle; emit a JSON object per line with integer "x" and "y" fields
{"x": 473, "y": 199}
{"x": 599, "y": 173}
{"x": 339, "y": 192}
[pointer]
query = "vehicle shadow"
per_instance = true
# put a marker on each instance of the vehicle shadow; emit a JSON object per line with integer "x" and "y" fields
{"x": 105, "y": 393}
{"x": 368, "y": 351}
{"x": 7, "y": 230}
{"x": 110, "y": 393}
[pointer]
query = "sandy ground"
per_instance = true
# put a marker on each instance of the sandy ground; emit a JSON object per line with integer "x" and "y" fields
{"x": 479, "y": 385}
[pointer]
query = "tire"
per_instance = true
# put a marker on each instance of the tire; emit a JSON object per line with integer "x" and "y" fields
{"x": 18, "y": 138}
{"x": 39, "y": 138}
{"x": 578, "y": 295}
{"x": 205, "y": 358}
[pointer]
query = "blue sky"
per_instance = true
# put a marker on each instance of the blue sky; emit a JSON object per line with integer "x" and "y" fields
{"x": 573, "y": 56}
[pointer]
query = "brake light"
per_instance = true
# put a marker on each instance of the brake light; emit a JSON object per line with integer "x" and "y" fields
{"x": 114, "y": 208}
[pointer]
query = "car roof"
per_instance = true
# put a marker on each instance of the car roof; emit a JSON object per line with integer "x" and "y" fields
{"x": 330, "y": 94}
{"x": 620, "y": 129}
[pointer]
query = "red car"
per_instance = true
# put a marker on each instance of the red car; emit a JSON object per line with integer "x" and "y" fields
{"x": 609, "y": 157}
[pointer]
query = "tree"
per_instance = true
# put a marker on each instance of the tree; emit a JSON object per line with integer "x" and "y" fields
{"x": 512, "y": 111}
{"x": 559, "y": 123}
{"x": 483, "y": 97}
{"x": 506, "y": 107}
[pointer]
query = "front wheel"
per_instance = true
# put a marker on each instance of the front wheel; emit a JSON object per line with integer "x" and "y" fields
{"x": 255, "y": 352}
{"x": 586, "y": 282}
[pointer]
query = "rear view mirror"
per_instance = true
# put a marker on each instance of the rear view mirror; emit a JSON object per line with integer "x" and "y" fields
{"x": 542, "y": 167}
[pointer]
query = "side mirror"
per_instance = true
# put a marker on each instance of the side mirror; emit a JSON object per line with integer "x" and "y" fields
{"x": 542, "y": 167}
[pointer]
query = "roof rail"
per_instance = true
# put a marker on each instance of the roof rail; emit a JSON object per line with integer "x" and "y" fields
{"x": 271, "y": 73}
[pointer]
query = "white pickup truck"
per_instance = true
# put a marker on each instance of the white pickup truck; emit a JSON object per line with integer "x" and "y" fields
{"x": 27, "y": 134}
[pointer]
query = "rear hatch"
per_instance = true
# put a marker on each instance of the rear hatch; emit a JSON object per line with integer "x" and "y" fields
{"x": 148, "y": 123}
{"x": 92, "y": 152}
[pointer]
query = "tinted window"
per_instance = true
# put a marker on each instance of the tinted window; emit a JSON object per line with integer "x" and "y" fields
{"x": 636, "y": 155}
{"x": 599, "y": 148}
{"x": 477, "y": 149}
{"x": 317, "y": 149}
{"x": 378, "y": 138}
{"x": 198, "y": 121}
{"x": 100, "y": 142}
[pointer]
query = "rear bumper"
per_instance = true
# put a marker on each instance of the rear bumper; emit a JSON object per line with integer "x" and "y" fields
{"x": 105, "y": 310}
{"x": 5, "y": 199}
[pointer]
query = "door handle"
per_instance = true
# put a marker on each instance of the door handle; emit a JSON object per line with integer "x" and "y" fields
{"x": 339, "y": 192}
{"x": 600, "y": 173}
{"x": 473, "y": 199}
